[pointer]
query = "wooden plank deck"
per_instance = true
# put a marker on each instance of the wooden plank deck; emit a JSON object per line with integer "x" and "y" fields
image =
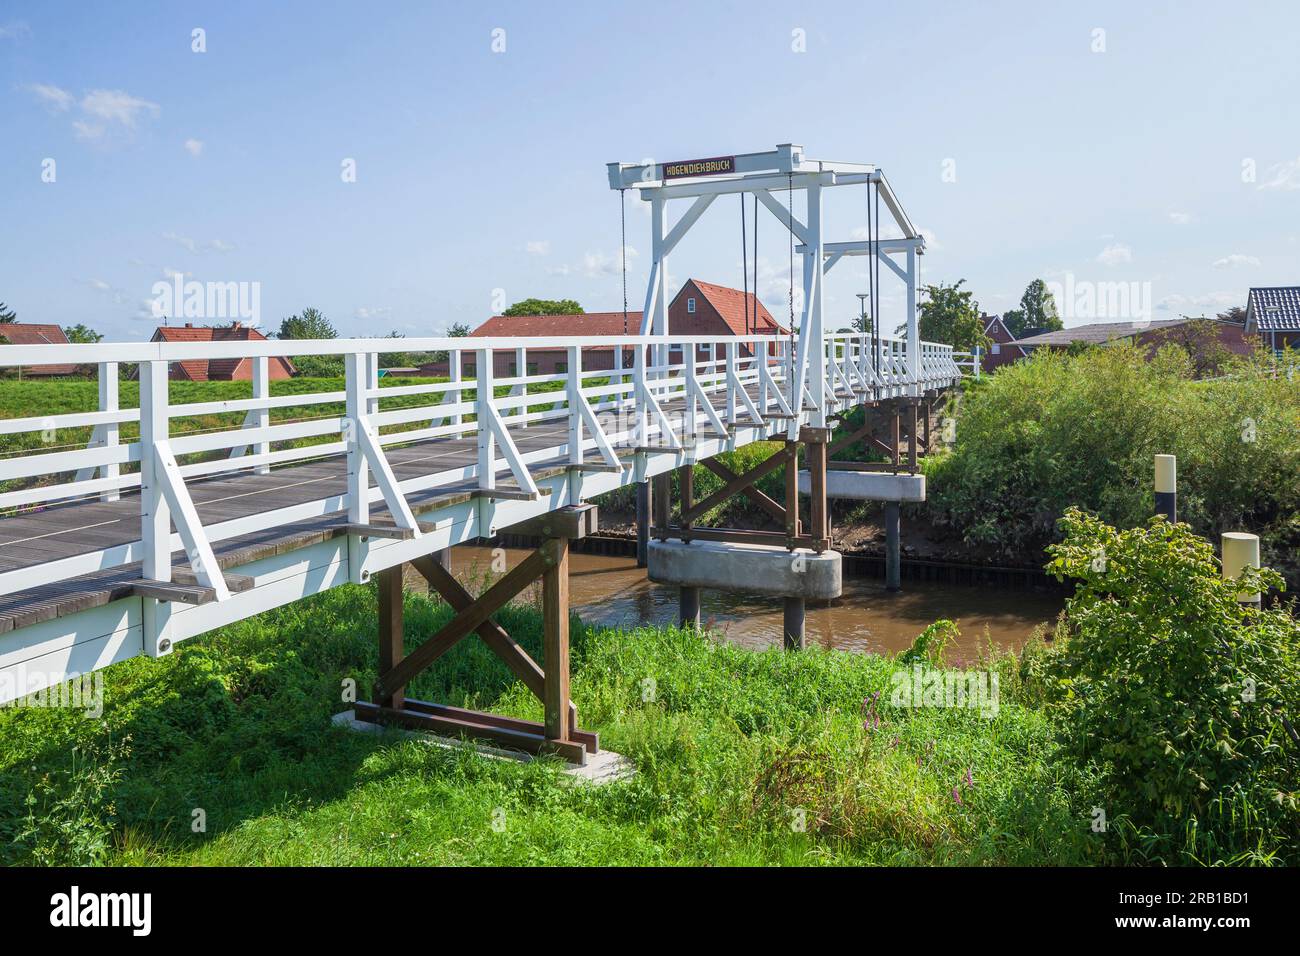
{"x": 86, "y": 527}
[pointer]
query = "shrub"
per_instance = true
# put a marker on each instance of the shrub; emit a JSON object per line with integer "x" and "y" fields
{"x": 1182, "y": 698}
{"x": 1055, "y": 431}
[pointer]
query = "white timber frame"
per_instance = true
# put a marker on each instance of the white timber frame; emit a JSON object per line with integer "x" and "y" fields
{"x": 766, "y": 175}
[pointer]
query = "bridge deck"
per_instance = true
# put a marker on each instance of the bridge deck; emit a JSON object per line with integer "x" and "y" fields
{"x": 85, "y": 527}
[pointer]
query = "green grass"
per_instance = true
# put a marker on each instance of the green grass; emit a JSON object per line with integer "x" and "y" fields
{"x": 729, "y": 747}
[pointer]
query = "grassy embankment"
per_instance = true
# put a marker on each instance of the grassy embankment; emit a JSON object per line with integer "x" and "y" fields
{"x": 732, "y": 748}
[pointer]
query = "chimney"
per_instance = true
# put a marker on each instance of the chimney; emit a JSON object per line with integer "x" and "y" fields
{"x": 236, "y": 324}
{"x": 189, "y": 325}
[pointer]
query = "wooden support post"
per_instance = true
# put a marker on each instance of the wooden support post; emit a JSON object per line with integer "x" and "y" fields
{"x": 555, "y": 646}
{"x": 661, "y": 501}
{"x": 791, "y": 493}
{"x": 893, "y": 435}
{"x": 893, "y": 547}
{"x": 686, "y": 481}
{"x": 925, "y": 425}
{"x": 643, "y": 508}
{"x": 390, "y": 631}
{"x": 818, "y": 512}
{"x": 912, "y": 406}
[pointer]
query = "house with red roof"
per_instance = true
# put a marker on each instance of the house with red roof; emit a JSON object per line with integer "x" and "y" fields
{"x": 1002, "y": 350}
{"x": 35, "y": 333}
{"x": 224, "y": 369}
{"x": 699, "y": 308}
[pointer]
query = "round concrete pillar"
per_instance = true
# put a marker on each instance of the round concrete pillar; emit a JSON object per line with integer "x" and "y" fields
{"x": 1240, "y": 551}
{"x": 689, "y": 602}
{"x": 794, "y": 624}
{"x": 893, "y": 547}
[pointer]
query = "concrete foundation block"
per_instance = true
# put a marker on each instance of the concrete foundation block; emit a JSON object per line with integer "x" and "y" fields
{"x": 868, "y": 485}
{"x": 759, "y": 569}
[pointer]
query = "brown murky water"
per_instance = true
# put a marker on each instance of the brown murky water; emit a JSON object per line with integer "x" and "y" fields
{"x": 612, "y": 591}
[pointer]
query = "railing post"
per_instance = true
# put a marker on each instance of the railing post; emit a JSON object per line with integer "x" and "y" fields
{"x": 155, "y": 516}
{"x": 572, "y": 388}
{"x": 733, "y": 382}
{"x": 108, "y": 402}
{"x": 262, "y": 417}
{"x": 640, "y": 398}
{"x": 521, "y": 390}
{"x": 356, "y": 366}
{"x": 487, "y": 450}
{"x": 453, "y": 375}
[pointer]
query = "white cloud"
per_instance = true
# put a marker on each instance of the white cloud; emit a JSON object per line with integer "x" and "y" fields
{"x": 1234, "y": 261}
{"x": 538, "y": 247}
{"x": 366, "y": 313}
{"x": 931, "y": 240}
{"x": 1212, "y": 300}
{"x": 14, "y": 29}
{"x": 1115, "y": 254}
{"x": 105, "y": 111}
{"x": 194, "y": 147}
{"x": 52, "y": 97}
{"x": 1285, "y": 176}
{"x": 597, "y": 264}
{"x": 560, "y": 270}
{"x": 198, "y": 246}
{"x": 1180, "y": 218}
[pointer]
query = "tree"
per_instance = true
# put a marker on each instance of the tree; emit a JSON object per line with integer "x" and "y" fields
{"x": 1037, "y": 311}
{"x": 950, "y": 314}
{"x": 1236, "y": 315}
{"x": 7, "y": 314}
{"x": 310, "y": 324}
{"x": 460, "y": 330}
{"x": 1199, "y": 338}
{"x": 544, "y": 307}
{"x": 80, "y": 335}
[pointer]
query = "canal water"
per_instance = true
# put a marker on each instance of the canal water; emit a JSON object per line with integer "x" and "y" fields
{"x": 614, "y": 592}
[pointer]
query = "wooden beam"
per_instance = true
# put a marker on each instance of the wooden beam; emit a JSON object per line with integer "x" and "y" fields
{"x": 572, "y": 522}
{"x": 525, "y": 669}
{"x": 555, "y": 637}
{"x": 743, "y": 484}
{"x": 467, "y": 621}
{"x": 391, "y": 648}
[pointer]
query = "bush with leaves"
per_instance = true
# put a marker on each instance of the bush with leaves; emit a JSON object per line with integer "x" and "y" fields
{"x": 1055, "y": 430}
{"x": 1184, "y": 699}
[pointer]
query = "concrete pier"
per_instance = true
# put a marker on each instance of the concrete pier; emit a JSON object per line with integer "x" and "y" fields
{"x": 867, "y": 485}
{"x": 893, "y": 547}
{"x": 688, "y": 601}
{"x": 796, "y": 576}
{"x": 793, "y": 623}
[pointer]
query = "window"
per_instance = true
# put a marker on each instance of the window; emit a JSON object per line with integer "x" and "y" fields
{"x": 532, "y": 368}
{"x": 514, "y": 369}
{"x": 690, "y": 304}
{"x": 997, "y": 348}
{"x": 468, "y": 370}
{"x": 561, "y": 367}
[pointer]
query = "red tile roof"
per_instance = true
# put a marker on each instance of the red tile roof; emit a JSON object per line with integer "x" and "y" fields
{"x": 585, "y": 323}
{"x": 730, "y": 304}
{"x": 203, "y": 370}
{"x": 34, "y": 333}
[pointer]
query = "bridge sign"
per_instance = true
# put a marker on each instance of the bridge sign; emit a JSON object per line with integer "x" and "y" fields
{"x": 715, "y": 166}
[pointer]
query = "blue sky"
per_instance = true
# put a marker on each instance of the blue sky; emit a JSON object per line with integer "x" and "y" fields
{"x": 1165, "y": 150}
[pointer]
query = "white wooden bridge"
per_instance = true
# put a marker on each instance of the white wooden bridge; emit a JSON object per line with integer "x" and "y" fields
{"x": 127, "y": 547}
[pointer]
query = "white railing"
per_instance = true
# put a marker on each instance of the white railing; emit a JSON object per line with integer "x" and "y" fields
{"x": 613, "y": 394}
{"x": 969, "y": 363}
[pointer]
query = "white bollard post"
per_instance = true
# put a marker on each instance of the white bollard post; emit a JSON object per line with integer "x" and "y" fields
{"x": 1240, "y": 551}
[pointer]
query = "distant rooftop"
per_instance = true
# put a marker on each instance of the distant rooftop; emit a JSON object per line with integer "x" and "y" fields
{"x": 1274, "y": 308}
{"x": 1096, "y": 333}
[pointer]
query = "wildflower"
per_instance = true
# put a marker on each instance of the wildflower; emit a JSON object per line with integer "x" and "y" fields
{"x": 956, "y": 795}
{"x": 970, "y": 779}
